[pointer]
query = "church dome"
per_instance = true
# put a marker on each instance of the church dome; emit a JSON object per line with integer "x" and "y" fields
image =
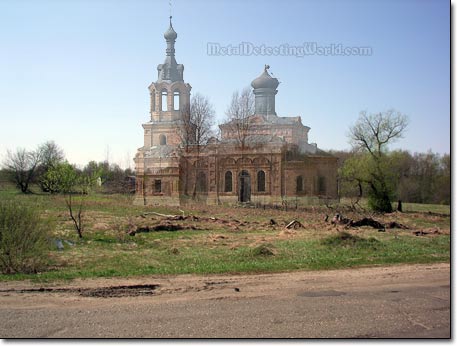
{"x": 170, "y": 34}
{"x": 265, "y": 81}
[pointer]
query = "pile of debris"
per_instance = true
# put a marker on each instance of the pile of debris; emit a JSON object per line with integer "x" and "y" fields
{"x": 338, "y": 219}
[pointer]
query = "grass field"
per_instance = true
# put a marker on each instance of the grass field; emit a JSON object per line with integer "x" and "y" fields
{"x": 227, "y": 240}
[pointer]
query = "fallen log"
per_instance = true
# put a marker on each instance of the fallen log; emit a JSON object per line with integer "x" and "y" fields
{"x": 166, "y": 216}
{"x": 394, "y": 224}
{"x": 367, "y": 221}
{"x": 294, "y": 224}
{"x": 426, "y": 232}
{"x": 338, "y": 219}
{"x": 158, "y": 214}
{"x": 161, "y": 227}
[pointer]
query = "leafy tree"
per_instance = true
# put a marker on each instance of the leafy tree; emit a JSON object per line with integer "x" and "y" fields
{"x": 371, "y": 134}
{"x": 112, "y": 177}
{"x": 23, "y": 238}
{"x": 51, "y": 155}
{"x": 443, "y": 184}
{"x": 354, "y": 176}
{"x": 64, "y": 178}
{"x": 400, "y": 168}
{"x": 417, "y": 178}
{"x": 429, "y": 176}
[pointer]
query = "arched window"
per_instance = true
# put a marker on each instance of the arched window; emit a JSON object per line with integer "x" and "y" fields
{"x": 322, "y": 185}
{"x": 176, "y": 100}
{"x": 261, "y": 181}
{"x": 228, "y": 181}
{"x": 299, "y": 184}
{"x": 164, "y": 100}
{"x": 162, "y": 140}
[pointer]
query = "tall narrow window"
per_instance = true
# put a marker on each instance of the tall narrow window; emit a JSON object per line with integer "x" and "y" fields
{"x": 322, "y": 185}
{"x": 153, "y": 101}
{"x": 228, "y": 181}
{"x": 299, "y": 184}
{"x": 261, "y": 181}
{"x": 162, "y": 140}
{"x": 157, "y": 186}
{"x": 164, "y": 100}
{"x": 176, "y": 100}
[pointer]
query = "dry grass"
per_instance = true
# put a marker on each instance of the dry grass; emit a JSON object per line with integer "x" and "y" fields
{"x": 222, "y": 239}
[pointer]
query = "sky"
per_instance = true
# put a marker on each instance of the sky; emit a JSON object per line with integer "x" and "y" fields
{"x": 77, "y": 71}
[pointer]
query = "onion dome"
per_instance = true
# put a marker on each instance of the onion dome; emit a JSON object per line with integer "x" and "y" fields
{"x": 170, "y": 34}
{"x": 265, "y": 80}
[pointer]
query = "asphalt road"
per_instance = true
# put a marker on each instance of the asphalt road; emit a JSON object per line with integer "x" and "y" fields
{"x": 409, "y": 301}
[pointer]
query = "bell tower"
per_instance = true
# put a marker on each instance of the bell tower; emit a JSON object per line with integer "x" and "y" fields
{"x": 169, "y": 98}
{"x": 157, "y": 162}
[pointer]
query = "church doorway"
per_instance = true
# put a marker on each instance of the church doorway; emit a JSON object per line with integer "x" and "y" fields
{"x": 244, "y": 187}
{"x": 201, "y": 188}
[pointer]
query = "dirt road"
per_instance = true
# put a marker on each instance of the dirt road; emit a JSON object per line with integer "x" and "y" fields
{"x": 400, "y": 301}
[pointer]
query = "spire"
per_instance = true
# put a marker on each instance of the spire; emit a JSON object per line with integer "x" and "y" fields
{"x": 170, "y": 70}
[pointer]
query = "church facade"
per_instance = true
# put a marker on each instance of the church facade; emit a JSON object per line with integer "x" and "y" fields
{"x": 273, "y": 163}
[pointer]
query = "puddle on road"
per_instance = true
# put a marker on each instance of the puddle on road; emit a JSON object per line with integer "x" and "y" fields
{"x": 101, "y": 292}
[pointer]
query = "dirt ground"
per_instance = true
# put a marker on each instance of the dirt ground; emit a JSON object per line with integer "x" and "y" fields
{"x": 395, "y": 301}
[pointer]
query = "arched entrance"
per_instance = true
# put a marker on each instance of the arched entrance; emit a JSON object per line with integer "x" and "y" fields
{"x": 244, "y": 187}
{"x": 201, "y": 190}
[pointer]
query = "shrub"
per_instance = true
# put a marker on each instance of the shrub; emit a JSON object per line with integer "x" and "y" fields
{"x": 23, "y": 239}
{"x": 263, "y": 250}
{"x": 346, "y": 239}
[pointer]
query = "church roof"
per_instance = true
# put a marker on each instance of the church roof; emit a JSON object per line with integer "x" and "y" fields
{"x": 269, "y": 120}
{"x": 285, "y": 120}
{"x": 255, "y": 140}
{"x": 265, "y": 81}
{"x": 161, "y": 151}
{"x": 170, "y": 34}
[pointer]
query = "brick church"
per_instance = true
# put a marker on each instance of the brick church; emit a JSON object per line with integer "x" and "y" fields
{"x": 275, "y": 165}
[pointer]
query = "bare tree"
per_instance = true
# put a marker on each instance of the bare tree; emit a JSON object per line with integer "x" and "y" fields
{"x": 372, "y": 133}
{"x": 202, "y": 116}
{"x": 239, "y": 114}
{"x": 197, "y": 129}
{"x": 22, "y": 166}
{"x": 51, "y": 154}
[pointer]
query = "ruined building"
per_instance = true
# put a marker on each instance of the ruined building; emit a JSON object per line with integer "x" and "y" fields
{"x": 273, "y": 164}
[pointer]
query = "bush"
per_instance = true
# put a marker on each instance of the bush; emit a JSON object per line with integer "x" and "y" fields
{"x": 23, "y": 239}
{"x": 263, "y": 250}
{"x": 346, "y": 239}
